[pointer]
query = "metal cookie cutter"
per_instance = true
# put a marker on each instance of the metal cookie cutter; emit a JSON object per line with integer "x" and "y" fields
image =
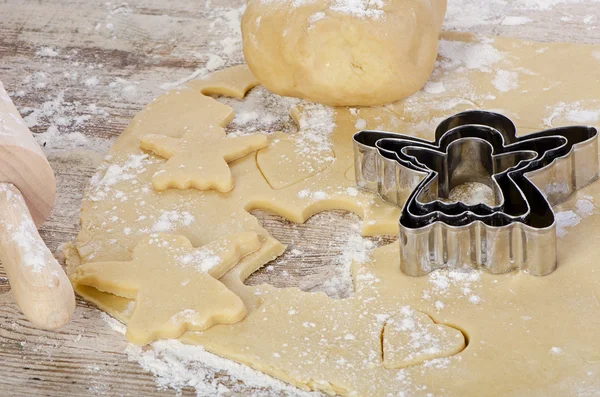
{"x": 527, "y": 174}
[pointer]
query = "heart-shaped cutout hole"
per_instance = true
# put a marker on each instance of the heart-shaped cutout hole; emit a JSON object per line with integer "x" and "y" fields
{"x": 412, "y": 337}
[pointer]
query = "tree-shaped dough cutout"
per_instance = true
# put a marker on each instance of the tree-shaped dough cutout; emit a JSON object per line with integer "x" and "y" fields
{"x": 175, "y": 286}
{"x": 199, "y": 158}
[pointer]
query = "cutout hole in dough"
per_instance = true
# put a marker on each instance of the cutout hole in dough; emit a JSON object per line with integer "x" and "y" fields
{"x": 304, "y": 265}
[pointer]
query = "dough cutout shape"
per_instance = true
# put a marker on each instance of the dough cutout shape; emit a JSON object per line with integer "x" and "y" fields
{"x": 283, "y": 170}
{"x": 319, "y": 343}
{"x": 412, "y": 337}
{"x": 175, "y": 286}
{"x": 292, "y": 158}
{"x": 199, "y": 158}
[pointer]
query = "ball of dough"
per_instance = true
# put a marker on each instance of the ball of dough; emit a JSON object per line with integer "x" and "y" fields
{"x": 342, "y": 52}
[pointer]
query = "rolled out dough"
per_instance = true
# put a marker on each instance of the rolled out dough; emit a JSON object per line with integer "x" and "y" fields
{"x": 525, "y": 335}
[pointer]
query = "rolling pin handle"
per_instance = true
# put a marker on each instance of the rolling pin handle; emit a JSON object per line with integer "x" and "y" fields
{"x": 40, "y": 286}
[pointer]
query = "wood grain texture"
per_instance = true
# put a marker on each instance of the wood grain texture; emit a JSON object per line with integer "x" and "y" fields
{"x": 145, "y": 43}
{"x": 22, "y": 162}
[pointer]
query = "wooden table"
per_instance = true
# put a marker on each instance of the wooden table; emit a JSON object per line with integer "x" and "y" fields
{"x": 112, "y": 59}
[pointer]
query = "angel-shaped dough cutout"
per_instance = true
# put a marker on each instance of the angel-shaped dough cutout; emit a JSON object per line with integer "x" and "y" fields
{"x": 199, "y": 158}
{"x": 167, "y": 269}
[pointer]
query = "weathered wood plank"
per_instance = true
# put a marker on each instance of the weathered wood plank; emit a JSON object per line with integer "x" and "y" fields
{"x": 146, "y": 43}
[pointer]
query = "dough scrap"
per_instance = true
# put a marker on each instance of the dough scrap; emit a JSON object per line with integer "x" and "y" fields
{"x": 412, "y": 337}
{"x": 342, "y": 52}
{"x": 175, "y": 286}
{"x": 199, "y": 158}
{"x": 319, "y": 343}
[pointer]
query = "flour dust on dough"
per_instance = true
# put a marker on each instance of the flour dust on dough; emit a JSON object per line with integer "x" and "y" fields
{"x": 514, "y": 334}
{"x": 342, "y": 52}
{"x": 175, "y": 286}
{"x": 199, "y": 158}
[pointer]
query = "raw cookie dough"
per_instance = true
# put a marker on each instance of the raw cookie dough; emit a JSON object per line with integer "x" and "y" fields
{"x": 199, "y": 158}
{"x": 524, "y": 335}
{"x": 412, "y": 337}
{"x": 342, "y": 52}
{"x": 175, "y": 287}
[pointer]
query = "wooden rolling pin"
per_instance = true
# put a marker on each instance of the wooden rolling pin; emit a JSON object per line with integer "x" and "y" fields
{"x": 27, "y": 192}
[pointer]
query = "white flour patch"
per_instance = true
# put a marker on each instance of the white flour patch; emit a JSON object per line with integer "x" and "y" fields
{"x": 567, "y": 219}
{"x": 360, "y": 124}
{"x": 506, "y": 80}
{"x": 356, "y": 250}
{"x": 465, "y": 14}
{"x": 545, "y": 5}
{"x": 169, "y": 220}
{"x": 472, "y": 56}
{"x": 91, "y": 81}
{"x": 201, "y": 259}
{"x": 446, "y": 286}
{"x": 571, "y": 112}
{"x": 421, "y": 341}
{"x": 472, "y": 193}
{"x": 46, "y": 52}
{"x": 363, "y": 9}
{"x": 22, "y": 234}
{"x": 219, "y": 54}
{"x": 366, "y": 9}
{"x": 556, "y": 351}
{"x": 261, "y": 111}
{"x": 514, "y": 20}
{"x": 123, "y": 87}
{"x": 436, "y": 87}
{"x": 178, "y": 366}
{"x": 63, "y": 121}
{"x": 315, "y": 125}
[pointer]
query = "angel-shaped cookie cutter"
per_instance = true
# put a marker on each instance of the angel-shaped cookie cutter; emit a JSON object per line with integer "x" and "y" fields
{"x": 528, "y": 175}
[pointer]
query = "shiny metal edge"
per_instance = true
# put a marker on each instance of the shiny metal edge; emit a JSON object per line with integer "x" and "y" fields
{"x": 477, "y": 245}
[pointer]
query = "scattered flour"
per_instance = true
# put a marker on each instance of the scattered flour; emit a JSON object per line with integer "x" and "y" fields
{"x": 47, "y": 52}
{"x": 472, "y": 193}
{"x": 556, "y": 351}
{"x": 178, "y": 366}
{"x": 360, "y": 124}
{"x": 261, "y": 111}
{"x": 63, "y": 121}
{"x": 22, "y": 234}
{"x": 513, "y": 21}
{"x": 364, "y": 9}
{"x": 421, "y": 340}
{"x": 169, "y": 220}
{"x": 571, "y": 112}
{"x": 436, "y": 87}
{"x": 371, "y": 9}
{"x": 567, "y": 219}
{"x": 472, "y": 56}
{"x": 107, "y": 176}
{"x": 202, "y": 259}
{"x": 219, "y": 54}
{"x": 315, "y": 125}
{"x": 448, "y": 285}
{"x": 545, "y": 5}
{"x": 506, "y": 80}
{"x": 356, "y": 250}
{"x": 91, "y": 81}
{"x": 465, "y": 14}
